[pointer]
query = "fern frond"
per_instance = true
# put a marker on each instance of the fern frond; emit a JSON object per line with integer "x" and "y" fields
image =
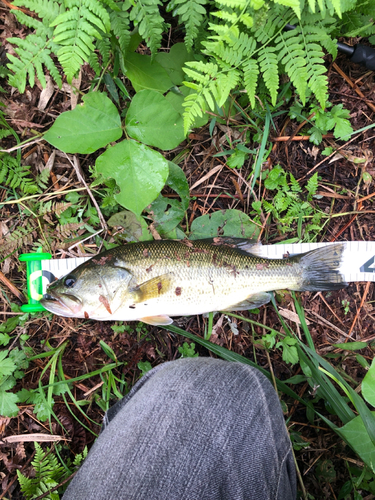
{"x": 200, "y": 71}
{"x": 19, "y": 238}
{"x": 250, "y": 74}
{"x": 42, "y": 179}
{"x": 233, "y": 50}
{"x": 191, "y": 14}
{"x": 47, "y": 10}
{"x": 29, "y": 21}
{"x": 294, "y": 184}
{"x": 34, "y": 52}
{"x": 312, "y": 185}
{"x": 195, "y": 105}
{"x": 294, "y": 4}
{"x": 68, "y": 230}
{"x": 120, "y": 28}
{"x": 146, "y": 15}
{"x": 233, "y": 4}
{"x": 49, "y": 207}
{"x": 291, "y": 54}
{"x": 4, "y": 133}
{"x": 15, "y": 175}
{"x": 269, "y": 70}
{"x": 229, "y": 17}
{"x": 75, "y": 30}
{"x": 112, "y": 5}
{"x": 273, "y": 23}
{"x": 224, "y": 83}
{"x": 94, "y": 63}
{"x": 104, "y": 47}
{"x": 316, "y": 71}
{"x": 48, "y": 474}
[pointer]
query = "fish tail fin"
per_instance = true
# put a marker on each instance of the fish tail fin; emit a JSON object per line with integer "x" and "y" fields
{"x": 321, "y": 269}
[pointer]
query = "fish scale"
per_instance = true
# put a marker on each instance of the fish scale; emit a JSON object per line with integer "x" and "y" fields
{"x": 152, "y": 281}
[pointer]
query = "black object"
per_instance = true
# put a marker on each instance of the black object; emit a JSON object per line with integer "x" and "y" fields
{"x": 360, "y": 54}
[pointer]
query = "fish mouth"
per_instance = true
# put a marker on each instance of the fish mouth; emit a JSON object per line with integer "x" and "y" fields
{"x": 64, "y": 304}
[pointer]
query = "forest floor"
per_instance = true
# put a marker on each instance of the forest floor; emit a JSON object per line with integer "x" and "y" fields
{"x": 332, "y": 316}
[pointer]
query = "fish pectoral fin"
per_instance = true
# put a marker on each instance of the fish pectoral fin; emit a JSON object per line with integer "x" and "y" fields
{"x": 251, "y": 302}
{"x": 157, "y": 320}
{"x": 153, "y": 288}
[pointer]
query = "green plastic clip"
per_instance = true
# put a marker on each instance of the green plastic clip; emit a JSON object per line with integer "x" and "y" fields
{"x": 34, "y": 280}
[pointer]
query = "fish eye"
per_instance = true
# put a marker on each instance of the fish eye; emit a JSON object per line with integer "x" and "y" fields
{"x": 70, "y": 281}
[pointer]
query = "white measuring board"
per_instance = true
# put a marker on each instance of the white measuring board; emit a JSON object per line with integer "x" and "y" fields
{"x": 358, "y": 260}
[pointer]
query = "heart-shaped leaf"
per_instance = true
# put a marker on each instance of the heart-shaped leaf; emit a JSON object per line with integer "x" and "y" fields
{"x": 139, "y": 172}
{"x": 173, "y": 61}
{"x": 90, "y": 126}
{"x": 152, "y": 120}
{"x": 146, "y": 74}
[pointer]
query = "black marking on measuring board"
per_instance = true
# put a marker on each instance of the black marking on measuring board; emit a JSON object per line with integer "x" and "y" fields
{"x": 50, "y": 276}
{"x": 369, "y": 266}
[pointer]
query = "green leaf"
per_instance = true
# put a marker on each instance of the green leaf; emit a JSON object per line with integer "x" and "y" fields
{"x": 343, "y": 130}
{"x": 177, "y": 181}
{"x": 355, "y": 434}
{"x": 4, "y": 339}
{"x": 167, "y": 213}
{"x": 134, "y": 226}
{"x": 145, "y": 74}
{"x": 10, "y": 324}
{"x": 108, "y": 350}
{"x": 188, "y": 351}
{"x": 90, "y": 126}
{"x": 42, "y": 409}
{"x": 144, "y": 366}
{"x": 7, "y": 366}
{"x": 224, "y": 223}
{"x": 139, "y": 172}
{"x": 351, "y": 346}
{"x": 151, "y": 119}
{"x": 368, "y": 384}
{"x": 290, "y": 354}
{"x": 8, "y": 407}
{"x": 173, "y": 61}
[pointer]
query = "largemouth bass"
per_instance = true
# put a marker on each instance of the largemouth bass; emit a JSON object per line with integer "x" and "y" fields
{"x": 154, "y": 281}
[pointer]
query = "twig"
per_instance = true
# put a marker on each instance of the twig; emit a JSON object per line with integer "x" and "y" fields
{"x": 359, "y": 309}
{"x": 329, "y": 307}
{"x": 55, "y": 194}
{"x": 81, "y": 241}
{"x": 325, "y": 322}
{"x": 75, "y": 164}
{"x": 12, "y": 288}
{"x": 334, "y": 238}
{"x": 353, "y": 86}
{"x": 22, "y": 144}
{"x": 286, "y": 138}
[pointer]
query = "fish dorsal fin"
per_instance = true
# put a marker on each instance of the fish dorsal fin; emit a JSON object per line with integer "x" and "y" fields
{"x": 247, "y": 245}
{"x": 157, "y": 320}
{"x": 251, "y": 302}
{"x": 153, "y": 288}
